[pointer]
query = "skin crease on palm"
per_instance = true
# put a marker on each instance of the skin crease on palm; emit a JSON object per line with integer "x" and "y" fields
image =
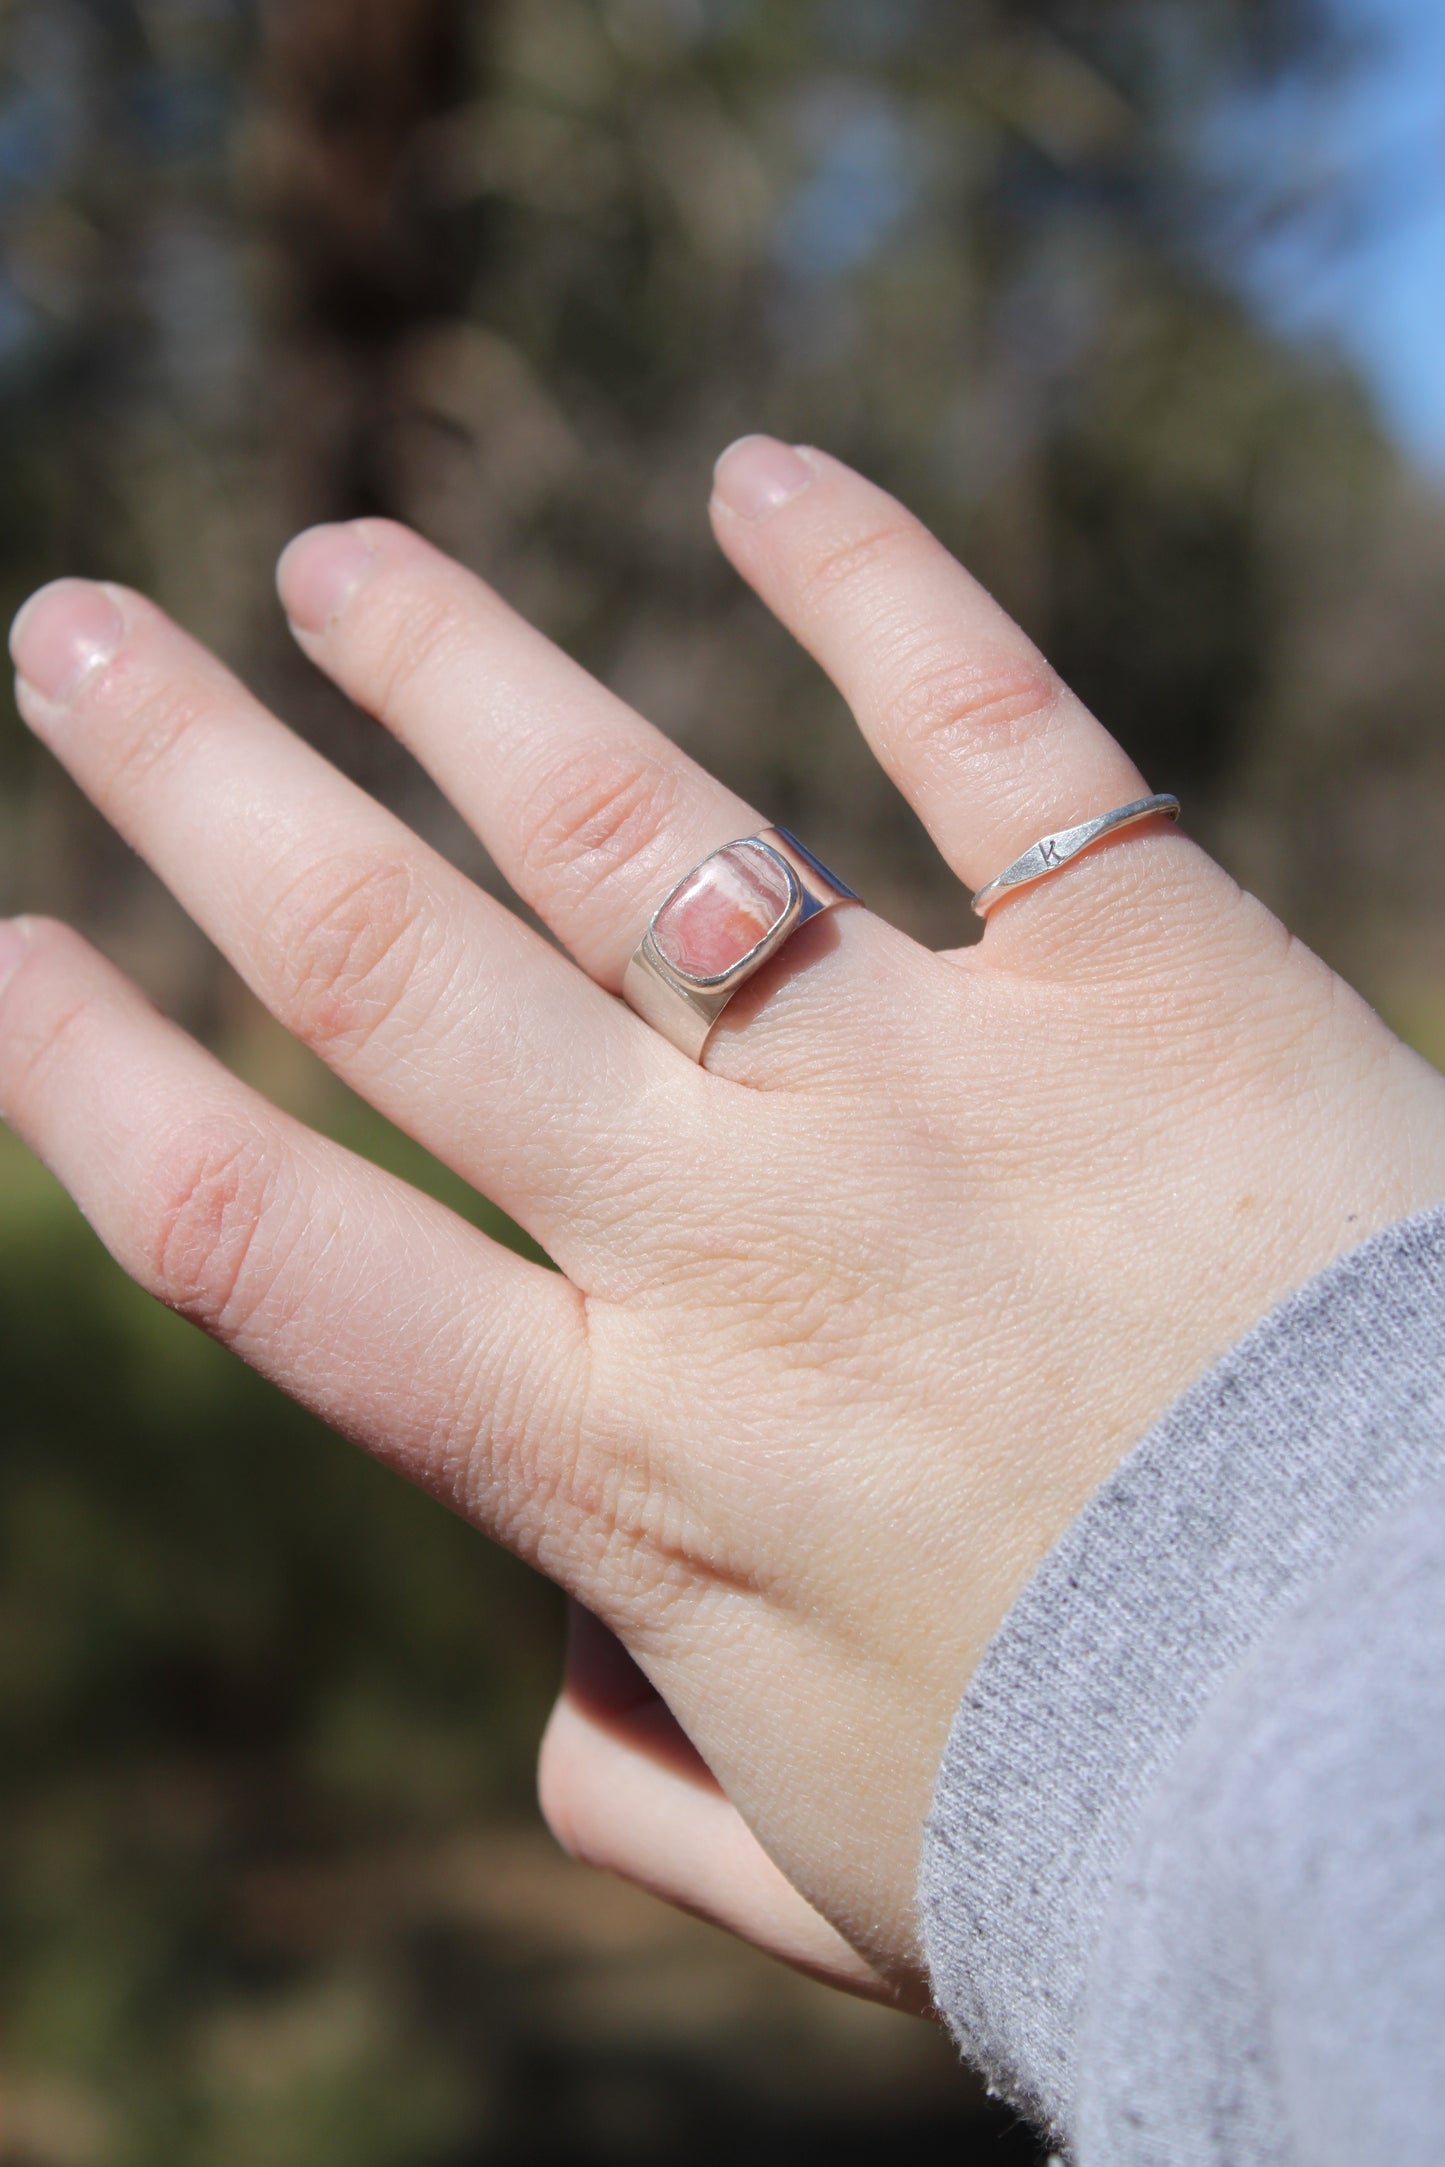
{"x": 851, "y": 1320}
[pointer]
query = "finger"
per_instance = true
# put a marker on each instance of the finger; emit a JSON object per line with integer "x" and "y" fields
{"x": 961, "y": 709}
{"x": 623, "y": 1789}
{"x": 592, "y": 814}
{"x": 453, "y": 1018}
{"x": 399, "y": 1325}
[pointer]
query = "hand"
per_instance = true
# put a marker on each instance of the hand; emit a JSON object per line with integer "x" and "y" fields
{"x": 849, "y": 1322}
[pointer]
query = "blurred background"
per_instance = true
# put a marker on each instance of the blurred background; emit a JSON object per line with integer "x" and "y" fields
{"x": 1140, "y": 302}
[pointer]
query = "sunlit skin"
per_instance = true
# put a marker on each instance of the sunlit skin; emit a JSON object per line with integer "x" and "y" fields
{"x": 850, "y": 1321}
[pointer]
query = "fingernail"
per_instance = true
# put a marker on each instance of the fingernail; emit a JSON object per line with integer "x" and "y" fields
{"x": 63, "y": 634}
{"x": 320, "y": 572}
{"x": 757, "y": 476}
{"x": 14, "y": 947}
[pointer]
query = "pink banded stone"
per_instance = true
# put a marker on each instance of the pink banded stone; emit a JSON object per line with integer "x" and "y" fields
{"x": 721, "y": 912}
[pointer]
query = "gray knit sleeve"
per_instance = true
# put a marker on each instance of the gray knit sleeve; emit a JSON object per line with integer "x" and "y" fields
{"x": 1183, "y": 1887}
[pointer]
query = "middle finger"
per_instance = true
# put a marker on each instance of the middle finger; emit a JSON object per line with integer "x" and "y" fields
{"x": 592, "y": 814}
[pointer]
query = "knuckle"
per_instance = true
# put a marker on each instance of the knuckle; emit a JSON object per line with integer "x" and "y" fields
{"x": 503, "y": 1449}
{"x": 212, "y": 1194}
{"x": 578, "y": 1797}
{"x": 651, "y": 1550}
{"x": 341, "y": 946}
{"x": 35, "y": 1044}
{"x": 46, "y": 1009}
{"x": 562, "y": 1790}
{"x": 158, "y": 725}
{"x": 411, "y": 640}
{"x": 1008, "y": 694}
{"x": 591, "y": 816}
{"x": 837, "y": 570}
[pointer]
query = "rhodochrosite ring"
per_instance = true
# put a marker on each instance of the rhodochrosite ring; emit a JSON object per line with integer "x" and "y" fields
{"x": 721, "y": 924}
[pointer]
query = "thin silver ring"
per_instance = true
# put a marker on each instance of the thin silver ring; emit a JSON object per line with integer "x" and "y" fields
{"x": 702, "y": 946}
{"x": 1053, "y": 852}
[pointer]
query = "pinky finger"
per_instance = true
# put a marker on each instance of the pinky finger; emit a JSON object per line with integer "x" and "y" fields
{"x": 622, "y": 1788}
{"x": 389, "y": 1317}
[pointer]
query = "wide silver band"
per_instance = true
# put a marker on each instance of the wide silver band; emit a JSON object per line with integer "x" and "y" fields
{"x": 1053, "y": 852}
{"x": 683, "y": 1007}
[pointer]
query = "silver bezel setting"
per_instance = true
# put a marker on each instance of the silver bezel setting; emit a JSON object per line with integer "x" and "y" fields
{"x": 683, "y": 1008}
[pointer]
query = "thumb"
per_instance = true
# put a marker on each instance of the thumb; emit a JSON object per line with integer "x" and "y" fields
{"x": 623, "y": 1788}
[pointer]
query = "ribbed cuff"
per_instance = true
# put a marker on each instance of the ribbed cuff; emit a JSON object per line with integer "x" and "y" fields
{"x": 1325, "y": 1418}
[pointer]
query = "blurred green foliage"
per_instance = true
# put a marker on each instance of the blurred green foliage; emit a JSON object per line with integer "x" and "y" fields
{"x": 226, "y": 1641}
{"x": 515, "y": 270}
